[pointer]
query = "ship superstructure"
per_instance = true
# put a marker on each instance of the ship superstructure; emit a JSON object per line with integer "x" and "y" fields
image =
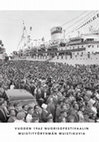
{"x": 80, "y": 49}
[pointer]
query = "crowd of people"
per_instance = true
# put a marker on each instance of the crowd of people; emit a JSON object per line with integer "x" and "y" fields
{"x": 64, "y": 93}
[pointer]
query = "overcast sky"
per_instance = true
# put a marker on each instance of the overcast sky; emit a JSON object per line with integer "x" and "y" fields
{"x": 41, "y": 22}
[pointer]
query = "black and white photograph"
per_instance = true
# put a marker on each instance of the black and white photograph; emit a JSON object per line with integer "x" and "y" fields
{"x": 49, "y": 70}
{"x": 49, "y": 66}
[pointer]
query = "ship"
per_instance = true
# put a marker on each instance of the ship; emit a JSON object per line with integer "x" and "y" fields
{"x": 80, "y": 49}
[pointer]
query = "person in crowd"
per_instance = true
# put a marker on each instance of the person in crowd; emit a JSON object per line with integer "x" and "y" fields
{"x": 20, "y": 117}
{"x": 63, "y": 93}
{"x": 36, "y": 116}
{"x": 3, "y": 110}
{"x": 30, "y": 112}
{"x": 12, "y": 86}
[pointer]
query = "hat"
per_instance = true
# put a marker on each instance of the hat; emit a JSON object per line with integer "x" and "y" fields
{"x": 20, "y": 115}
{"x": 1, "y": 101}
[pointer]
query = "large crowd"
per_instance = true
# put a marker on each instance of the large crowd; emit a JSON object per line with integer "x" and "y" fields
{"x": 64, "y": 93}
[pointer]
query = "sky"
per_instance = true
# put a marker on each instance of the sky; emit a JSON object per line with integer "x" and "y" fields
{"x": 41, "y": 22}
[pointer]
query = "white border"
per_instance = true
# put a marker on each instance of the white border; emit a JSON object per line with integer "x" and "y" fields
{"x": 49, "y": 4}
{"x": 7, "y": 132}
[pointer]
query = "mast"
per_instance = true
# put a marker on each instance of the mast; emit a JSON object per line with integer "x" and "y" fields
{"x": 23, "y": 42}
